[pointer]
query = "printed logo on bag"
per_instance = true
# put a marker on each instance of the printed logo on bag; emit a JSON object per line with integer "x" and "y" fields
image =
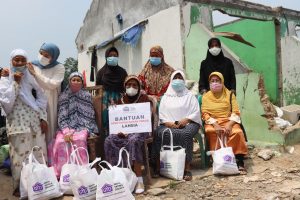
{"x": 227, "y": 158}
{"x": 107, "y": 188}
{"x": 66, "y": 178}
{"x": 82, "y": 190}
{"x": 37, "y": 187}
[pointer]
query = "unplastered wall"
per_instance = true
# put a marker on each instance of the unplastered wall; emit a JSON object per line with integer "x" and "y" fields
{"x": 164, "y": 29}
{"x": 290, "y": 49}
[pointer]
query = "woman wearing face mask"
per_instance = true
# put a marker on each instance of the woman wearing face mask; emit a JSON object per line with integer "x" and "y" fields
{"x": 76, "y": 121}
{"x": 26, "y": 115}
{"x": 216, "y": 61}
{"x": 179, "y": 110}
{"x": 222, "y": 118}
{"x": 112, "y": 77}
{"x": 49, "y": 74}
{"x": 132, "y": 142}
{"x": 156, "y": 74}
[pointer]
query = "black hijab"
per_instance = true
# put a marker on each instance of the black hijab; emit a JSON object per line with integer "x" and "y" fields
{"x": 111, "y": 77}
{"x": 218, "y": 63}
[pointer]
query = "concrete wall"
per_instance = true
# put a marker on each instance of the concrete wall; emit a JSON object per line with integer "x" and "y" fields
{"x": 290, "y": 47}
{"x": 261, "y": 59}
{"x": 156, "y": 32}
{"x": 100, "y": 22}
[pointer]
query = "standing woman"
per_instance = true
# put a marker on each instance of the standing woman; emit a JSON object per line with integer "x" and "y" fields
{"x": 155, "y": 76}
{"x": 26, "y": 117}
{"x": 112, "y": 77}
{"x": 215, "y": 61}
{"x": 49, "y": 74}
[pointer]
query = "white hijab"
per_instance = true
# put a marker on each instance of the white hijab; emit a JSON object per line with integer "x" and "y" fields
{"x": 8, "y": 94}
{"x": 175, "y": 106}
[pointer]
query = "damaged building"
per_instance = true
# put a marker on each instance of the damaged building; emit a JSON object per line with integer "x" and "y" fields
{"x": 262, "y": 43}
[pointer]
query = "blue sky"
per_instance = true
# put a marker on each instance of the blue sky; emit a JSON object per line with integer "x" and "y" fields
{"x": 28, "y": 23}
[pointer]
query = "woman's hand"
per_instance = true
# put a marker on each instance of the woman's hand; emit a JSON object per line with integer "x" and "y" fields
{"x": 5, "y": 72}
{"x": 44, "y": 126}
{"x": 31, "y": 69}
{"x": 171, "y": 125}
{"x": 228, "y": 127}
{"x": 219, "y": 130}
{"x": 182, "y": 123}
{"x": 18, "y": 77}
{"x": 122, "y": 135}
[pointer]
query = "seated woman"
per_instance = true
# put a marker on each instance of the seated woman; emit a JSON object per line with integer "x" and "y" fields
{"x": 179, "y": 110}
{"x": 76, "y": 121}
{"x": 222, "y": 118}
{"x": 132, "y": 142}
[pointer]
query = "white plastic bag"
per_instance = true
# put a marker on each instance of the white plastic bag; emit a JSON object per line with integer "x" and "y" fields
{"x": 42, "y": 182}
{"x": 83, "y": 181}
{"x": 67, "y": 170}
{"x": 110, "y": 184}
{"x": 131, "y": 178}
{"x": 25, "y": 173}
{"x": 172, "y": 161}
{"x": 224, "y": 160}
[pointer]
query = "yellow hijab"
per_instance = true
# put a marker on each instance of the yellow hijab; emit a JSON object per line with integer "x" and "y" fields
{"x": 218, "y": 105}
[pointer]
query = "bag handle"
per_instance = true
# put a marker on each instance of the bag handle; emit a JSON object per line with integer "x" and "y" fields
{"x": 107, "y": 163}
{"x": 171, "y": 138}
{"x": 78, "y": 156}
{"x": 94, "y": 162}
{"x": 32, "y": 157}
{"x": 223, "y": 142}
{"x": 121, "y": 158}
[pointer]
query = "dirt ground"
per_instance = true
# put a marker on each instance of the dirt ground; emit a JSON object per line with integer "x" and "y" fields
{"x": 277, "y": 178}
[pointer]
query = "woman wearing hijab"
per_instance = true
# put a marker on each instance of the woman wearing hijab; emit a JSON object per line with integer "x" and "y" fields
{"x": 49, "y": 74}
{"x": 132, "y": 142}
{"x": 26, "y": 115}
{"x": 76, "y": 121}
{"x": 216, "y": 61}
{"x": 156, "y": 74}
{"x": 112, "y": 77}
{"x": 179, "y": 110}
{"x": 222, "y": 118}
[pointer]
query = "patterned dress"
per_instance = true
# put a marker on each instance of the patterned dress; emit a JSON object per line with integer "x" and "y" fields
{"x": 24, "y": 132}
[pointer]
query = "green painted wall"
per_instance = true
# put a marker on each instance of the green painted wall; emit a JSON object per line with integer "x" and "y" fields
{"x": 195, "y": 51}
{"x": 261, "y": 59}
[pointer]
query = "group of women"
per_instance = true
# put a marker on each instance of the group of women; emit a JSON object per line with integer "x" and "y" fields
{"x": 30, "y": 98}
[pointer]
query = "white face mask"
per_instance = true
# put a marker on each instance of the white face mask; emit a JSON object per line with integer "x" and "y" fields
{"x": 215, "y": 51}
{"x": 43, "y": 60}
{"x": 131, "y": 91}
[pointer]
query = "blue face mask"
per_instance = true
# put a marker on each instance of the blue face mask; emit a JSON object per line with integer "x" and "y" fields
{"x": 178, "y": 85}
{"x": 19, "y": 69}
{"x": 155, "y": 61}
{"x": 112, "y": 61}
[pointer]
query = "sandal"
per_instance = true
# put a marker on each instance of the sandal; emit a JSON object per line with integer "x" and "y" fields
{"x": 187, "y": 176}
{"x": 242, "y": 170}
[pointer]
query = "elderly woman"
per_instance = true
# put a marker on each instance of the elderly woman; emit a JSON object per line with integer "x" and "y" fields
{"x": 112, "y": 77}
{"x": 156, "y": 74}
{"x": 132, "y": 142}
{"x": 222, "y": 118}
{"x": 76, "y": 121}
{"x": 49, "y": 74}
{"x": 25, "y": 114}
{"x": 216, "y": 61}
{"x": 179, "y": 110}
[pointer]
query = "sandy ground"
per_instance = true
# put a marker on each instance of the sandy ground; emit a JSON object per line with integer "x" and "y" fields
{"x": 277, "y": 178}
